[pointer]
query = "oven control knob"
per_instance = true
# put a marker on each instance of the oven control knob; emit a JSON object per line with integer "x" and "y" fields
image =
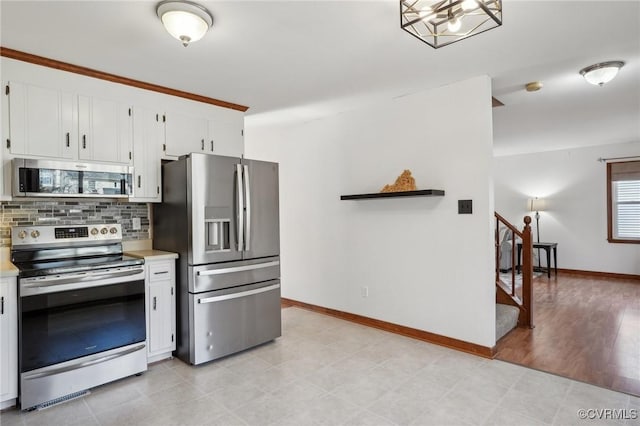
{"x": 22, "y": 235}
{"x": 35, "y": 233}
{"x": 113, "y": 230}
{"x": 103, "y": 231}
{"x": 94, "y": 231}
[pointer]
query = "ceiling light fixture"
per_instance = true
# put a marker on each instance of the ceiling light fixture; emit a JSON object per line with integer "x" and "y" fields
{"x": 604, "y": 72}
{"x": 448, "y": 21}
{"x": 184, "y": 20}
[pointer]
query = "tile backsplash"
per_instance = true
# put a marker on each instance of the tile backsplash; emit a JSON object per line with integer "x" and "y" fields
{"x": 48, "y": 212}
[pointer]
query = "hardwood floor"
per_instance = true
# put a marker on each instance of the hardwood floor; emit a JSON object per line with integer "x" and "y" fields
{"x": 586, "y": 329}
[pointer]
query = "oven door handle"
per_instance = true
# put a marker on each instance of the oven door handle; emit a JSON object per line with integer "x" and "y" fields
{"x": 238, "y": 295}
{"x": 53, "y": 284}
{"x": 50, "y": 371}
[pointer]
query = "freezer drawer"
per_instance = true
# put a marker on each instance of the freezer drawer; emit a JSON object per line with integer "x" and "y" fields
{"x": 231, "y": 274}
{"x": 225, "y": 322}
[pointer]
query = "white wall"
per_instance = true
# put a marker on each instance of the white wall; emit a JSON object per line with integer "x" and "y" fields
{"x": 574, "y": 184}
{"x": 425, "y": 266}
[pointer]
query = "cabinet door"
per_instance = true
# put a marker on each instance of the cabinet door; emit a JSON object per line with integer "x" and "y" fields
{"x": 5, "y": 191}
{"x": 226, "y": 135}
{"x": 161, "y": 317}
{"x": 8, "y": 339}
{"x": 185, "y": 134}
{"x": 40, "y": 121}
{"x": 147, "y": 143}
{"x": 105, "y": 130}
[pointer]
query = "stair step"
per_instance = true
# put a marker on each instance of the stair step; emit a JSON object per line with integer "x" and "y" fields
{"x": 506, "y": 319}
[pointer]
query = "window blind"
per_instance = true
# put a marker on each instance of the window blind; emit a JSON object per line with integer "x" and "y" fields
{"x": 627, "y": 194}
{"x": 625, "y": 182}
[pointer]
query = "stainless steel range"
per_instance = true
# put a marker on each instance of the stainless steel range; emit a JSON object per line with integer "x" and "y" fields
{"x": 81, "y": 314}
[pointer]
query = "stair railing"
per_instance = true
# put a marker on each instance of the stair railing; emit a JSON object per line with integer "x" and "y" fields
{"x": 507, "y": 290}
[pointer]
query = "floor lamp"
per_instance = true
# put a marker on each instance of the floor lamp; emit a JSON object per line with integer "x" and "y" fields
{"x": 537, "y": 205}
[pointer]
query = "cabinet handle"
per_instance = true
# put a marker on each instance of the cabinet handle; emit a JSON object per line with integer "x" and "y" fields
{"x": 84, "y": 141}
{"x": 154, "y": 303}
{"x": 161, "y": 273}
{"x": 2, "y": 305}
{"x": 203, "y": 144}
{"x": 139, "y": 180}
{"x": 67, "y": 139}
{"x": 211, "y": 146}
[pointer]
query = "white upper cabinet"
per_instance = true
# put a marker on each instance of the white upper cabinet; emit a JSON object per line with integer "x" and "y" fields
{"x": 148, "y": 136}
{"x": 216, "y": 131}
{"x": 226, "y": 134}
{"x": 53, "y": 114}
{"x": 104, "y": 130}
{"x": 185, "y": 134}
{"x": 41, "y": 122}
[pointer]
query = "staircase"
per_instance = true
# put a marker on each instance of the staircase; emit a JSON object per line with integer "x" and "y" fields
{"x": 514, "y": 292}
{"x": 506, "y": 319}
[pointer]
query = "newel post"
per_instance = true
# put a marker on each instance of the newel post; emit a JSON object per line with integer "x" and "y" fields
{"x": 527, "y": 272}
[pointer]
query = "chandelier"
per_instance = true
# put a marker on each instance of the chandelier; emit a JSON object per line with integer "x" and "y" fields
{"x": 440, "y": 23}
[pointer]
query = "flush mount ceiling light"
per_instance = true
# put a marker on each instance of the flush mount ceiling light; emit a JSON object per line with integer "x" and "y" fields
{"x": 440, "y": 23}
{"x": 184, "y": 20}
{"x": 604, "y": 72}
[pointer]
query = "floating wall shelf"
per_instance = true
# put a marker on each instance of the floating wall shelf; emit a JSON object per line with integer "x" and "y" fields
{"x": 420, "y": 193}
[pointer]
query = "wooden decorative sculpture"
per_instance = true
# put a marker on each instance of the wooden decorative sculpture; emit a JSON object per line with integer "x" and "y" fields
{"x": 404, "y": 182}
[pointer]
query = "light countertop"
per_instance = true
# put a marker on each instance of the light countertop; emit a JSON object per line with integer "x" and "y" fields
{"x": 7, "y": 269}
{"x": 152, "y": 254}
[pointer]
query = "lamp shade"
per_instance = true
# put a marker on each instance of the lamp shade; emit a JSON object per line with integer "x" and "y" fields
{"x": 184, "y": 20}
{"x": 599, "y": 74}
{"x": 536, "y": 204}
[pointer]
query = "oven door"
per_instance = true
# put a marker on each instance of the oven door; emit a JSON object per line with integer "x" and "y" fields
{"x": 67, "y": 317}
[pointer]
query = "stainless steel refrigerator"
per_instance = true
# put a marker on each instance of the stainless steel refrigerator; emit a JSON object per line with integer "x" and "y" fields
{"x": 221, "y": 215}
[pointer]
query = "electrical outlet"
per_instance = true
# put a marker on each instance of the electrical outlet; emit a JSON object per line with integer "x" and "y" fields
{"x": 364, "y": 291}
{"x": 465, "y": 206}
{"x": 136, "y": 225}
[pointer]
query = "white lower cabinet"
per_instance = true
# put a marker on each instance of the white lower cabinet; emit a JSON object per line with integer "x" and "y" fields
{"x": 8, "y": 341}
{"x": 161, "y": 308}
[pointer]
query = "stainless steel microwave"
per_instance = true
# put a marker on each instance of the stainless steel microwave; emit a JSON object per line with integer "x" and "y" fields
{"x": 44, "y": 178}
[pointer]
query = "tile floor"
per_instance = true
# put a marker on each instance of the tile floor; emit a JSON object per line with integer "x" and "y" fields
{"x": 325, "y": 371}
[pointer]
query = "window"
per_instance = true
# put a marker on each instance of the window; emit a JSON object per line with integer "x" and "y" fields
{"x": 623, "y": 199}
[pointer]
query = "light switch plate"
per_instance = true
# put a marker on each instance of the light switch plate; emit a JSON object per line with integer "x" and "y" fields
{"x": 136, "y": 225}
{"x": 465, "y": 206}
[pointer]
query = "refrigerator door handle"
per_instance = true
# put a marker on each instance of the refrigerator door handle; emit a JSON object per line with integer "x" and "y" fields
{"x": 240, "y": 212}
{"x": 238, "y": 268}
{"x": 238, "y": 295}
{"x": 247, "y": 195}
